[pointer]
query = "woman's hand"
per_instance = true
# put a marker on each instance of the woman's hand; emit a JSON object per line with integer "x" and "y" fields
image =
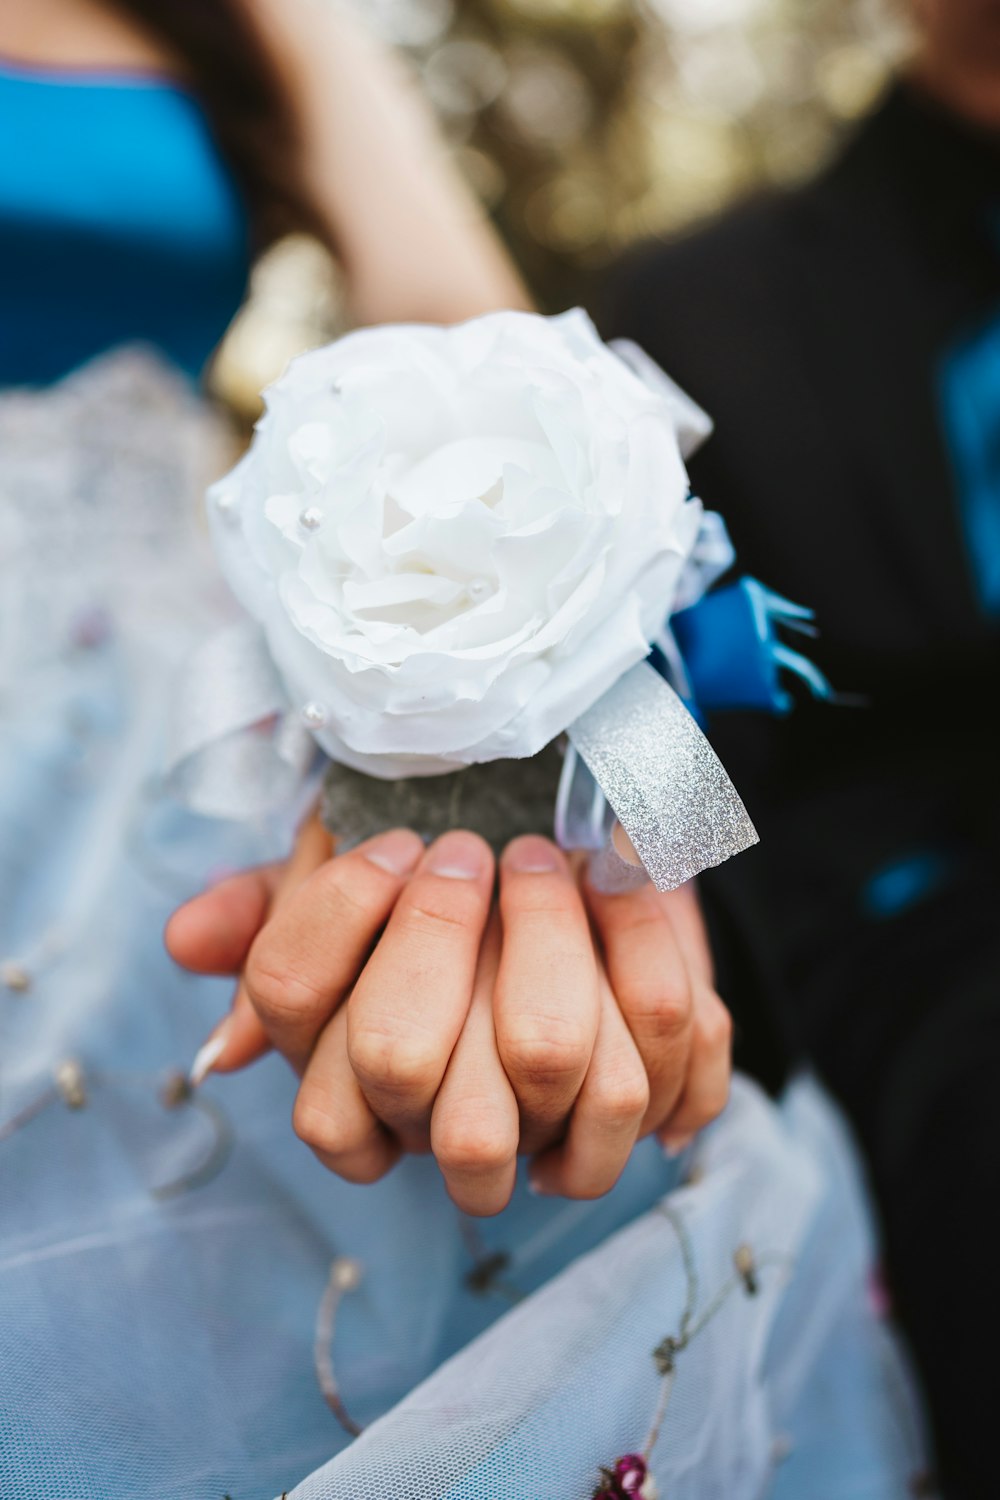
{"x": 476, "y": 1032}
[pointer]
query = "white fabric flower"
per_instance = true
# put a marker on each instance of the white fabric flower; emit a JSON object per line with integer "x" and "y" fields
{"x": 456, "y": 539}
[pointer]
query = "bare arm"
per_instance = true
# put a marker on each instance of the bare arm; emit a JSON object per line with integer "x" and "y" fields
{"x": 413, "y": 243}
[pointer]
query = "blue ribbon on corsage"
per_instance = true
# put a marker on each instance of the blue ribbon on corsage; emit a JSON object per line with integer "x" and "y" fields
{"x": 732, "y": 654}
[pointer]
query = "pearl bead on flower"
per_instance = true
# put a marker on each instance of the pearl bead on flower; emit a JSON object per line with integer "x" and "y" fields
{"x": 311, "y": 519}
{"x": 314, "y": 715}
{"x": 479, "y": 589}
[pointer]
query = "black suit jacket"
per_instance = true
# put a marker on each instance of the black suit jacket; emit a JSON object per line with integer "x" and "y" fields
{"x": 812, "y": 325}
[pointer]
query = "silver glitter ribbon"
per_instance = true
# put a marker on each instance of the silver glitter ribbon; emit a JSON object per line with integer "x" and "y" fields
{"x": 662, "y": 779}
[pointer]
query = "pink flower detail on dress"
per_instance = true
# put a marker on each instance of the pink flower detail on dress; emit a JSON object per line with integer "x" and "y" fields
{"x": 627, "y": 1479}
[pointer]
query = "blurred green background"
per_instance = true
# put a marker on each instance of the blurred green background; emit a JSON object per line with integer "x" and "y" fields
{"x": 584, "y": 125}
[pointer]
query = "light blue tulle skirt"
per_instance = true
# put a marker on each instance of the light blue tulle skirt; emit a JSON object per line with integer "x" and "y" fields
{"x": 190, "y": 1306}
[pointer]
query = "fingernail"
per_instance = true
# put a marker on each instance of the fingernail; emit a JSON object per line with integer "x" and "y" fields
{"x": 208, "y": 1055}
{"x": 532, "y": 855}
{"x": 624, "y": 846}
{"x": 397, "y": 851}
{"x": 675, "y": 1145}
{"x": 535, "y": 1186}
{"x": 459, "y": 856}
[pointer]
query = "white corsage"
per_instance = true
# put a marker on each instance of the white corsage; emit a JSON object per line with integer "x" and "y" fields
{"x": 458, "y": 544}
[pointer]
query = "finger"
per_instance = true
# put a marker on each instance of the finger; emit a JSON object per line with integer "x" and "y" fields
{"x": 410, "y": 1004}
{"x": 220, "y": 926}
{"x": 332, "y": 1115}
{"x": 709, "y": 1074}
{"x": 684, "y": 910}
{"x": 212, "y": 933}
{"x": 307, "y": 957}
{"x": 546, "y": 1006}
{"x": 474, "y": 1123}
{"x": 242, "y": 1035}
{"x": 313, "y": 845}
{"x": 606, "y": 1117}
{"x": 648, "y": 973}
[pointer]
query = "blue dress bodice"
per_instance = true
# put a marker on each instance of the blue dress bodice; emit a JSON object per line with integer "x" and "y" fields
{"x": 119, "y": 222}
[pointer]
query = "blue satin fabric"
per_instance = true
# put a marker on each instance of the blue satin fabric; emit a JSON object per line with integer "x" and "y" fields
{"x": 969, "y": 398}
{"x": 733, "y": 654}
{"x": 118, "y": 223}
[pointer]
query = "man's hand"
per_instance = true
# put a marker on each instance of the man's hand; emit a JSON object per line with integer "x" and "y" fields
{"x": 474, "y": 1029}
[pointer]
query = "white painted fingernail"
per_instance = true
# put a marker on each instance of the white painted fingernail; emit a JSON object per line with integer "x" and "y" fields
{"x": 208, "y": 1055}
{"x": 675, "y": 1145}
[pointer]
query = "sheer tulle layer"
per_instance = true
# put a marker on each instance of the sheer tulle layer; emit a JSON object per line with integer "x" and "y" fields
{"x": 792, "y": 1390}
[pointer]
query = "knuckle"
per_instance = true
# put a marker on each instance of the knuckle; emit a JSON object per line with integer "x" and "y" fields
{"x": 343, "y": 897}
{"x": 711, "y": 1104}
{"x": 717, "y": 1025}
{"x": 544, "y": 1051}
{"x": 400, "y": 1064}
{"x": 540, "y": 897}
{"x": 443, "y": 906}
{"x": 622, "y": 1097}
{"x": 319, "y": 1129}
{"x": 277, "y": 991}
{"x": 663, "y": 1005}
{"x": 471, "y": 1145}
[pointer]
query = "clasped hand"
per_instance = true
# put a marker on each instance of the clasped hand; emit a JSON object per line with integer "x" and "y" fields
{"x": 422, "y": 1011}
